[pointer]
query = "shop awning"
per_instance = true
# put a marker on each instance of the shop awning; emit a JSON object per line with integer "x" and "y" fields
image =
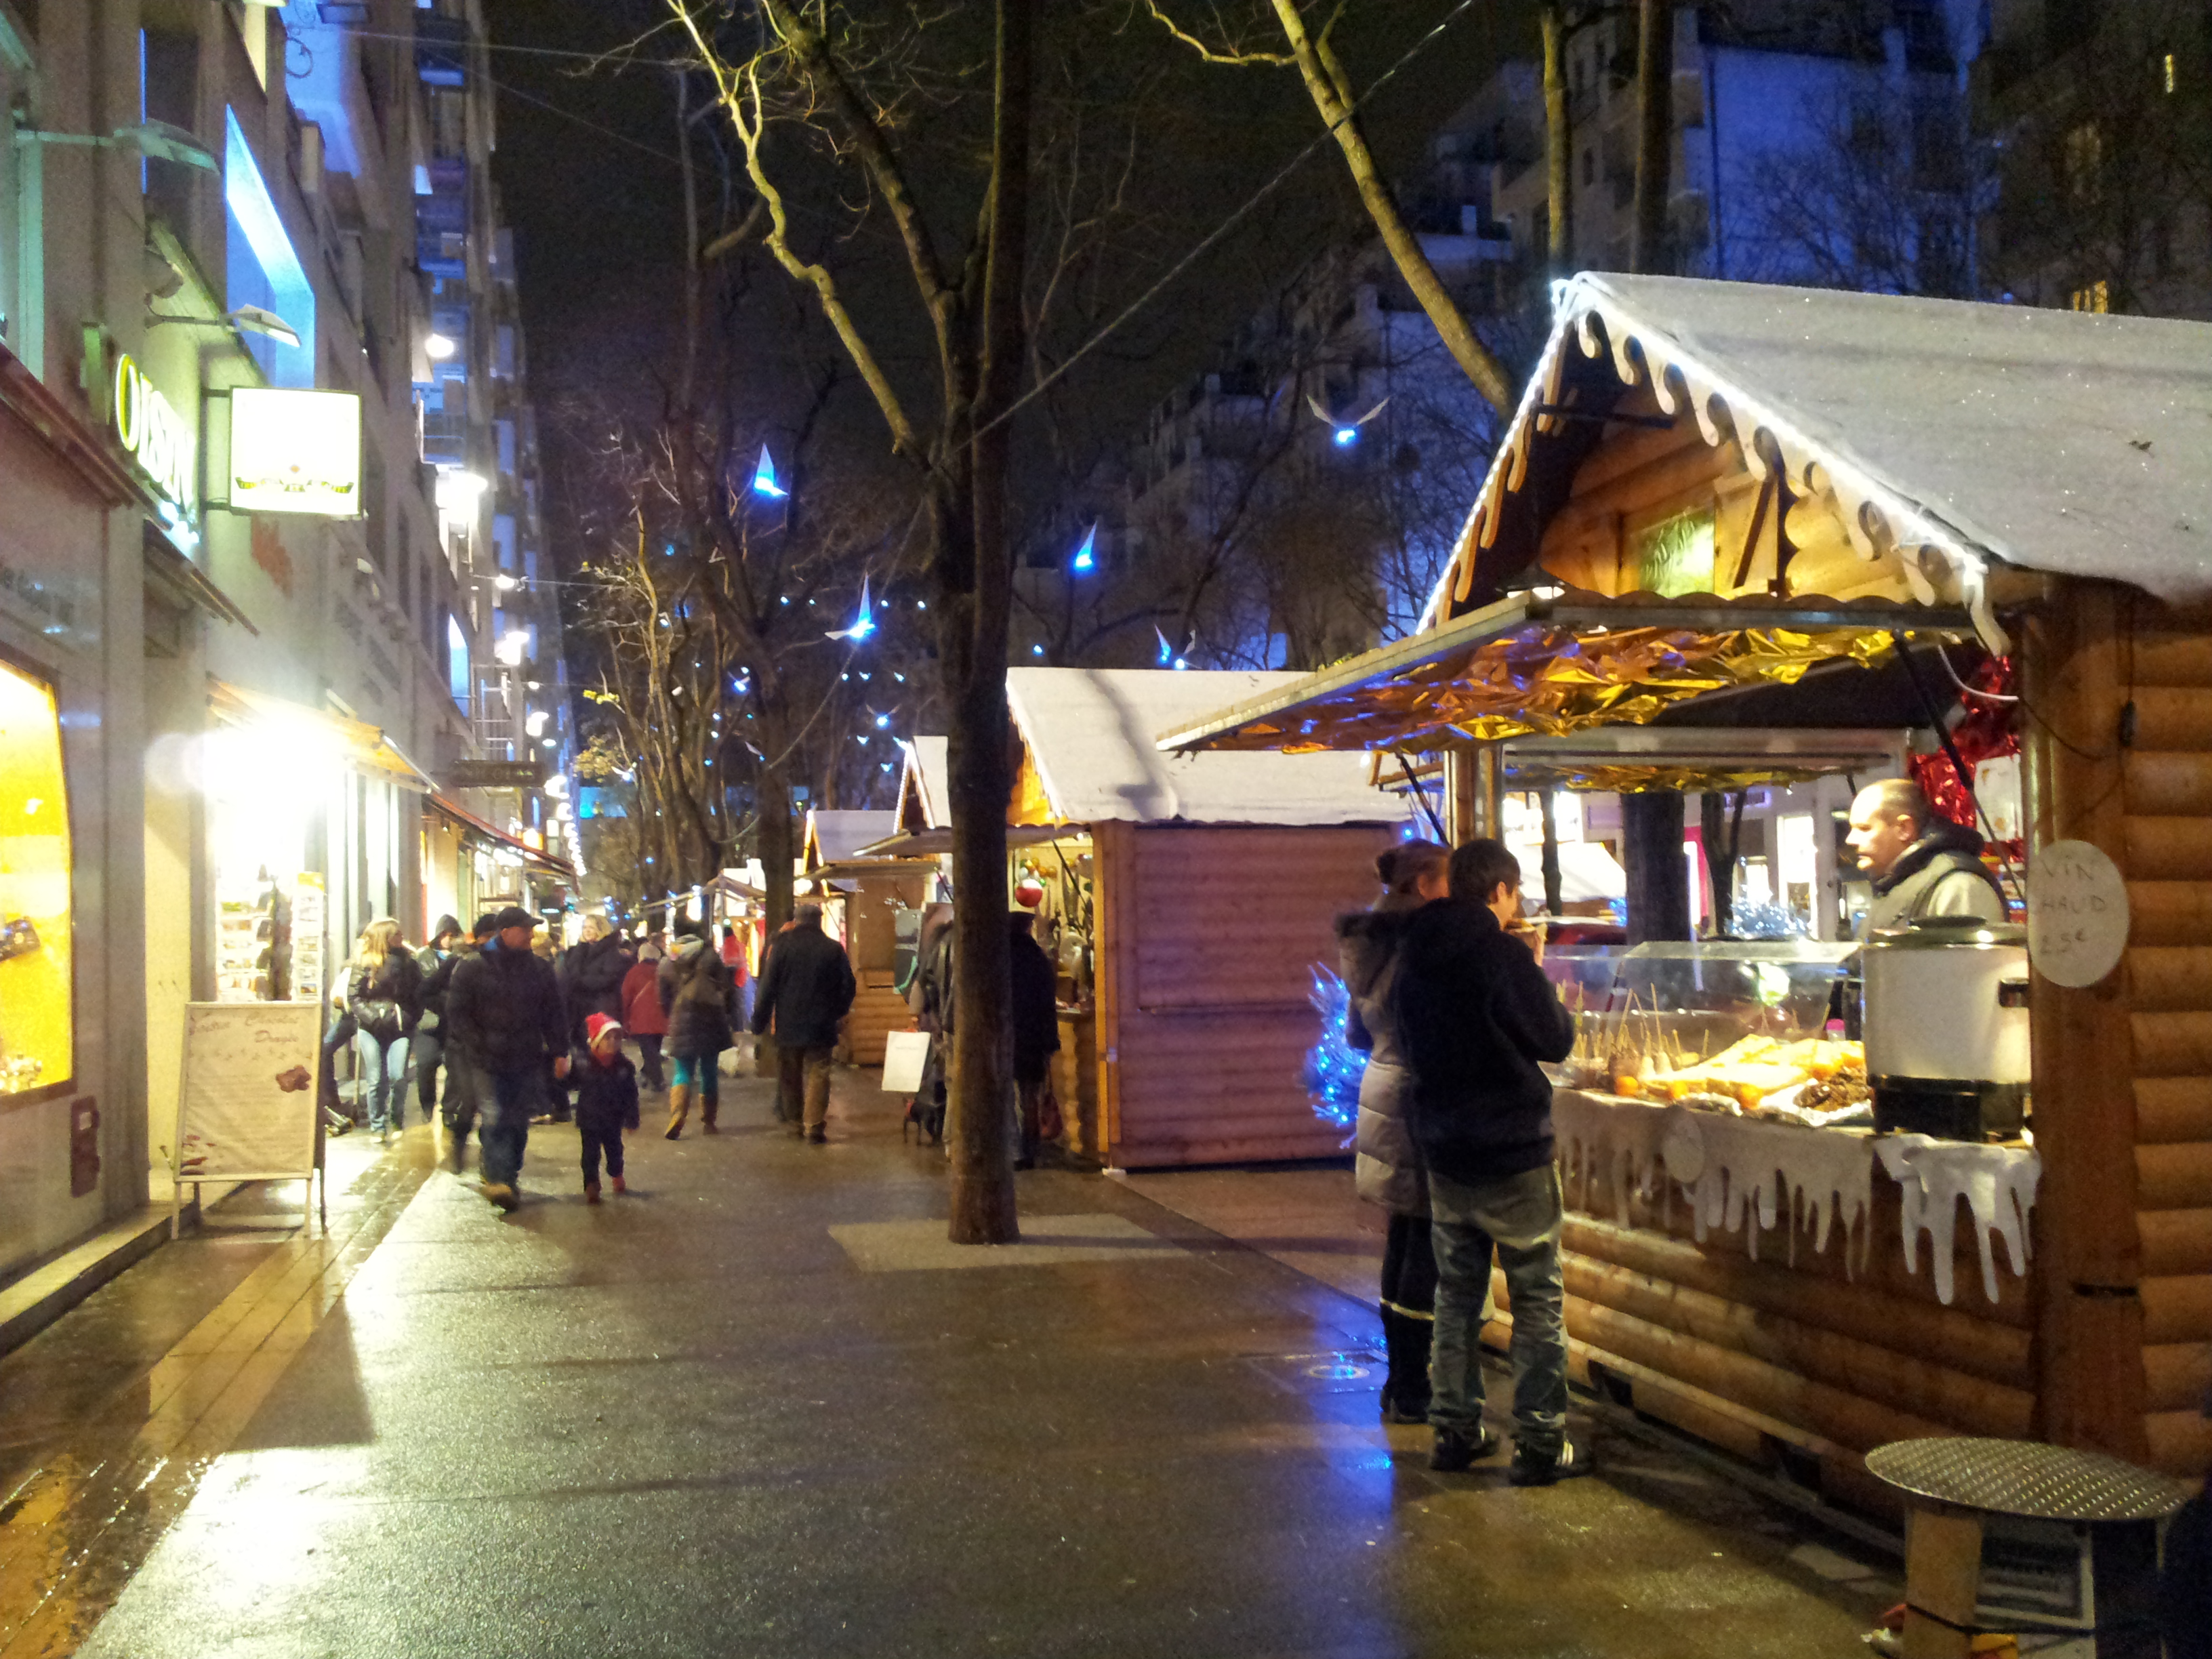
{"x": 358, "y": 744}
{"x": 1554, "y": 662}
{"x": 937, "y": 843}
{"x": 501, "y": 841}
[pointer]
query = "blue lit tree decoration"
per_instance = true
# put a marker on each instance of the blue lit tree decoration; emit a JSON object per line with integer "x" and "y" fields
{"x": 1343, "y": 433}
{"x": 1086, "y": 556}
{"x": 1333, "y": 1068}
{"x": 863, "y": 620}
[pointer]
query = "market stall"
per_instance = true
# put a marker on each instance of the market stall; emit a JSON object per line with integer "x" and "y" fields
{"x": 1720, "y": 507}
{"x": 1200, "y": 891}
{"x": 865, "y": 902}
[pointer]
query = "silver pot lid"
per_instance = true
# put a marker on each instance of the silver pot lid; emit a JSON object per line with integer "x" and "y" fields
{"x": 1950, "y": 933}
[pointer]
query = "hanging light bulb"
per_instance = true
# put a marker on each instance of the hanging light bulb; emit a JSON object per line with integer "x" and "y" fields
{"x": 864, "y": 621}
{"x": 764, "y": 479}
{"x": 1086, "y": 557}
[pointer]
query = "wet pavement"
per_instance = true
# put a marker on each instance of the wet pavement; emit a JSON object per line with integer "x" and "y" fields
{"x": 757, "y": 1407}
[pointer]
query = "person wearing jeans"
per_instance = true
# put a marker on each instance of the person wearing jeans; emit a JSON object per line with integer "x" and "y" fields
{"x": 1520, "y": 1218}
{"x": 385, "y": 992}
{"x": 805, "y": 989}
{"x": 505, "y": 1020}
{"x": 1477, "y": 1017}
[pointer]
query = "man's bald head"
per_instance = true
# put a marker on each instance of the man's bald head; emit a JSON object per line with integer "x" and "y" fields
{"x": 1886, "y": 817}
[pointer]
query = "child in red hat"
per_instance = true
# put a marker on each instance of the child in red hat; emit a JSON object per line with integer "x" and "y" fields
{"x": 606, "y": 1099}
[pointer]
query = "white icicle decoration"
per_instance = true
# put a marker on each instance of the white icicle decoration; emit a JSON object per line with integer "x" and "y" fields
{"x": 1997, "y": 1182}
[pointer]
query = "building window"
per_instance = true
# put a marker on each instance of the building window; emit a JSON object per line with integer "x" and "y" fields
{"x": 457, "y": 662}
{"x": 2096, "y": 296}
{"x": 2085, "y": 162}
{"x": 36, "y": 1013}
{"x": 263, "y": 270}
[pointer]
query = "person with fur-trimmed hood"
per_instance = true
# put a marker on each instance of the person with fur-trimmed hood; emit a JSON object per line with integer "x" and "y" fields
{"x": 695, "y": 994}
{"x": 1387, "y": 1168}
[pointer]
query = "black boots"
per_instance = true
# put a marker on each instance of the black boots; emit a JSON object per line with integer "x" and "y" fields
{"x": 1406, "y": 1388}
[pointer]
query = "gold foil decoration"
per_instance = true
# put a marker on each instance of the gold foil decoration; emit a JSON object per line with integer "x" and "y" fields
{"x": 1550, "y": 680}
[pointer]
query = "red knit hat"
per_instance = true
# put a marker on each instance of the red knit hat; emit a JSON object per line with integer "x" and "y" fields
{"x": 599, "y": 1025}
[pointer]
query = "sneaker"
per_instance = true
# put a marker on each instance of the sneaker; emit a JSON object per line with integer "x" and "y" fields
{"x": 502, "y": 1196}
{"x": 1454, "y": 1451}
{"x": 1572, "y": 1459}
{"x": 591, "y": 1192}
{"x": 618, "y": 1186}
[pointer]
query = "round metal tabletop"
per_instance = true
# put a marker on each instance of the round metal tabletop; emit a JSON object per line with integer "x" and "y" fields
{"x": 2019, "y": 1477}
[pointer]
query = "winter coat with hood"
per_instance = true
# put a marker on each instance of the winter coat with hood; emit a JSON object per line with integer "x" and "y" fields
{"x": 1036, "y": 1006}
{"x": 1941, "y": 874}
{"x": 805, "y": 988}
{"x": 1387, "y": 1166}
{"x": 591, "y": 975}
{"x": 1476, "y": 1016}
{"x": 695, "y": 994}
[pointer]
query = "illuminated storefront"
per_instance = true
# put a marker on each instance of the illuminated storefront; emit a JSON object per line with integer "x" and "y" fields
{"x": 36, "y": 941}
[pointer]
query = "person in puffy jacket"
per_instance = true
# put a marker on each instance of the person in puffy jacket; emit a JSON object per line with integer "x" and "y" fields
{"x": 504, "y": 1016}
{"x": 1387, "y": 1168}
{"x": 695, "y": 994}
{"x": 592, "y": 974}
{"x": 1034, "y": 1012}
{"x": 384, "y": 989}
{"x": 804, "y": 991}
{"x": 436, "y": 960}
{"x": 642, "y": 1015}
{"x": 606, "y": 1099}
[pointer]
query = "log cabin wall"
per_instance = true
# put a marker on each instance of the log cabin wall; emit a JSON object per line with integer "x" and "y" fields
{"x": 1207, "y": 938}
{"x": 2165, "y": 669}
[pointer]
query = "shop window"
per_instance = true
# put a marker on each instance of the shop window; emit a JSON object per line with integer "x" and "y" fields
{"x": 2096, "y": 296}
{"x": 35, "y": 1007}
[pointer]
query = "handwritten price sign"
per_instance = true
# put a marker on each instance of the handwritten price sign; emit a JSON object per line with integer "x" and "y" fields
{"x": 2077, "y": 913}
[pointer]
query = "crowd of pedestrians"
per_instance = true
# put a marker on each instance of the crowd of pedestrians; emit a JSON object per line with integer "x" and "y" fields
{"x": 1455, "y": 1140}
{"x": 519, "y": 1033}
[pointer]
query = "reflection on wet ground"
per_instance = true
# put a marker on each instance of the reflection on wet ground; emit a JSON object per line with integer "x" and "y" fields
{"x": 693, "y": 1421}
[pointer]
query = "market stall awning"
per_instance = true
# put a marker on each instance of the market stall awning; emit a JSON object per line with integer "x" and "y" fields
{"x": 500, "y": 840}
{"x": 1554, "y": 662}
{"x": 1625, "y": 759}
{"x": 854, "y": 869}
{"x": 358, "y": 744}
{"x": 937, "y": 843}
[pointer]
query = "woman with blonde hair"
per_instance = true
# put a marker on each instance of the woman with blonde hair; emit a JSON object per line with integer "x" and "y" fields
{"x": 385, "y": 988}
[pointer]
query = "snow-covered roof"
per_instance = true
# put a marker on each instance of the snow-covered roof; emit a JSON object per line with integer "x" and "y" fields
{"x": 925, "y": 788}
{"x": 834, "y": 835}
{"x": 1091, "y": 733}
{"x": 2068, "y": 442}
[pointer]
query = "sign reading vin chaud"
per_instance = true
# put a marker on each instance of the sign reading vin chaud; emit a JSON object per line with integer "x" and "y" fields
{"x": 295, "y": 452}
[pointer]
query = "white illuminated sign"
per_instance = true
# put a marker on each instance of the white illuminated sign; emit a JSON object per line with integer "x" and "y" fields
{"x": 295, "y": 452}
{"x": 148, "y": 426}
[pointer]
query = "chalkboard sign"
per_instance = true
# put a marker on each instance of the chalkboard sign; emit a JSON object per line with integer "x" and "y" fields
{"x": 247, "y": 1107}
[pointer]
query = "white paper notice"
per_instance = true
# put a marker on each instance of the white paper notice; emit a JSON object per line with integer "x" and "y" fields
{"x": 247, "y": 1107}
{"x": 2077, "y": 912}
{"x": 905, "y": 1054}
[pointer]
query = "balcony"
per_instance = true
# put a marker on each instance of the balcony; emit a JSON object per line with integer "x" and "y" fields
{"x": 441, "y": 50}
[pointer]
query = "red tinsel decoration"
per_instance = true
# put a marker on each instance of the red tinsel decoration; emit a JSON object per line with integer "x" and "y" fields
{"x": 1984, "y": 730}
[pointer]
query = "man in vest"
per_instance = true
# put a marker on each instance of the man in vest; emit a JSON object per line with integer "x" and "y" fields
{"x": 1920, "y": 862}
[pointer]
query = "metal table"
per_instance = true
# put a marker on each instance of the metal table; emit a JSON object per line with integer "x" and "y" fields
{"x": 1950, "y": 1484}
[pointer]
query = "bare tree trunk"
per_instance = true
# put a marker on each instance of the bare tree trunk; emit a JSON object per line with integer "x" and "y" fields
{"x": 1652, "y": 852}
{"x": 1655, "y": 132}
{"x": 1559, "y": 143}
{"x": 1332, "y": 95}
{"x": 1555, "y": 883}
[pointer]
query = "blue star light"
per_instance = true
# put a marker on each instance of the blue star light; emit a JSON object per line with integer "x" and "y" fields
{"x": 1346, "y": 436}
{"x": 864, "y": 621}
{"x": 765, "y": 482}
{"x": 1086, "y": 557}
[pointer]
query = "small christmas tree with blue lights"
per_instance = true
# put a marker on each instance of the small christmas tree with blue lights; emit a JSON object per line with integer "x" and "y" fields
{"x": 1334, "y": 1066}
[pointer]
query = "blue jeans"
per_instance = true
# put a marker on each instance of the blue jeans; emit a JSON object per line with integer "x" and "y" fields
{"x": 503, "y": 1133}
{"x": 383, "y": 1072}
{"x": 1521, "y": 1217}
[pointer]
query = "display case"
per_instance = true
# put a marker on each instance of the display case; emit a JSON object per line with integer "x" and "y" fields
{"x": 1736, "y": 1025}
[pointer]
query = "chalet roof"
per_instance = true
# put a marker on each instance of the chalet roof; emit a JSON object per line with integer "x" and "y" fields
{"x": 2059, "y": 442}
{"x": 835, "y": 834}
{"x": 1092, "y": 736}
{"x": 925, "y": 785}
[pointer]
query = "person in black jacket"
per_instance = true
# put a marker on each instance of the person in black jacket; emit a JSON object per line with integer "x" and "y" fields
{"x": 462, "y": 1092}
{"x": 436, "y": 960}
{"x": 1476, "y": 1015}
{"x": 805, "y": 990}
{"x": 606, "y": 1099}
{"x": 385, "y": 992}
{"x": 504, "y": 1016}
{"x": 1036, "y": 1010}
{"x": 694, "y": 994}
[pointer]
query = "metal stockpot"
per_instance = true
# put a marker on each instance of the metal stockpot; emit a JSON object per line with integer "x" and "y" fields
{"x": 1946, "y": 1027}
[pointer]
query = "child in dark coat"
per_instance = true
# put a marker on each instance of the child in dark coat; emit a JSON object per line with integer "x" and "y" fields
{"x": 606, "y": 1099}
